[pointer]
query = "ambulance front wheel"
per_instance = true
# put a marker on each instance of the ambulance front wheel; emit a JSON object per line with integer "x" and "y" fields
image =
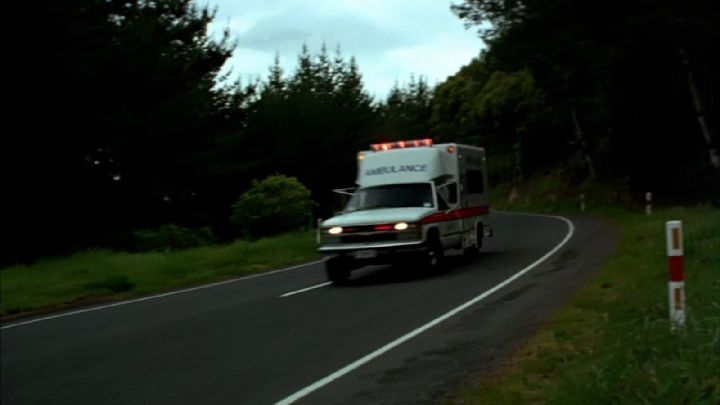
{"x": 337, "y": 270}
{"x": 434, "y": 254}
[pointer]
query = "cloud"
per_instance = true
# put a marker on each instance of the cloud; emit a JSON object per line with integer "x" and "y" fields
{"x": 287, "y": 31}
{"x": 390, "y": 38}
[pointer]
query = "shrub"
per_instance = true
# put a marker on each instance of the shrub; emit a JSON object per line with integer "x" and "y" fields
{"x": 274, "y": 205}
{"x": 173, "y": 236}
{"x": 116, "y": 284}
{"x": 147, "y": 239}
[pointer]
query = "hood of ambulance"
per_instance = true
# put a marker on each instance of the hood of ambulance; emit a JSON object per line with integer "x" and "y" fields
{"x": 379, "y": 216}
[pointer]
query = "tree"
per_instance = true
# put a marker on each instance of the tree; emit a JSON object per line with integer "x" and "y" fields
{"x": 612, "y": 75}
{"x": 311, "y": 124}
{"x": 504, "y": 112}
{"x": 275, "y": 204}
{"x": 406, "y": 111}
{"x": 117, "y": 94}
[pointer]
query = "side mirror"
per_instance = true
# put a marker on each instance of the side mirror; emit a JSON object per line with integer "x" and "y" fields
{"x": 342, "y": 196}
{"x": 345, "y": 191}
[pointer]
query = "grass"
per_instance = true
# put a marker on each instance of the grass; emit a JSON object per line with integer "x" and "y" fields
{"x": 612, "y": 343}
{"x": 98, "y": 275}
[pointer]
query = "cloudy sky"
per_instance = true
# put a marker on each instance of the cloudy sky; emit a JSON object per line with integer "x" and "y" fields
{"x": 391, "y": 39}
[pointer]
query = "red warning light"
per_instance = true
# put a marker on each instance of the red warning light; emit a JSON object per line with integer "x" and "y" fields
{"x": 377, "y": 147}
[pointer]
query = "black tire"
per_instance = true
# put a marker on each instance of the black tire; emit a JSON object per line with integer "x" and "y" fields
{"x": 471, "y": 251}
{"x": 434, "y": 255}
{"x": 337, "y": 270}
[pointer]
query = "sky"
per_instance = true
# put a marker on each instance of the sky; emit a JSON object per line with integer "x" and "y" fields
{"x": 391, "y": 39}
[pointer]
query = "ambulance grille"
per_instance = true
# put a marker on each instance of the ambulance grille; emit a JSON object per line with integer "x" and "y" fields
{"x": 373, "y": 237}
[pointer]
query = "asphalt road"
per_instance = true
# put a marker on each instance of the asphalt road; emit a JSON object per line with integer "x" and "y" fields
{"x": 241, "y": 342}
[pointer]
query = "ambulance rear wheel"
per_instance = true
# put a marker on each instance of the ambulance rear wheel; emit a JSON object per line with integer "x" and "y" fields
{"x": 337, "y": 270}
{"x": 471, "y": 251}
{"x": 474, "y": 249}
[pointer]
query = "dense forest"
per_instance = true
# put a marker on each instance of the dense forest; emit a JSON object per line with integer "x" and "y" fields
{"x": 125, "y": 121}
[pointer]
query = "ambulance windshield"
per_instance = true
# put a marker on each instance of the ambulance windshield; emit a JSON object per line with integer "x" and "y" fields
{"x": 391, "y": 196}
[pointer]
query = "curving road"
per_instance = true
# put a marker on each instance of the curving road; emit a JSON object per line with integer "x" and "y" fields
{"x": 388, "y": 337}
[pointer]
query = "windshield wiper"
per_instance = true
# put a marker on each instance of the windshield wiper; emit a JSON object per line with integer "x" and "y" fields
{"x": 374, "y": 207}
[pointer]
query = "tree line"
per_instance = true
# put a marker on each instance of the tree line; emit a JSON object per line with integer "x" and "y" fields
{"x": 611, "y": 89}
{"x": 125, "y": 121}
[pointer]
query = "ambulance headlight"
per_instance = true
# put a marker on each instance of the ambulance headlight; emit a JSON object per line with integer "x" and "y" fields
{"x": 335, "y": 230}
{"x": 401, "y": 226}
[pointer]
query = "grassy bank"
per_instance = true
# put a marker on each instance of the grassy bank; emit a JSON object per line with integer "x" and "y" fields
{"x": 98, "y": 275}
{"x": 612, "y": 343}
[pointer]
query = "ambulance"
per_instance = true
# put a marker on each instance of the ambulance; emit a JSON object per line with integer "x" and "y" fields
{"x": 414, "y": 201}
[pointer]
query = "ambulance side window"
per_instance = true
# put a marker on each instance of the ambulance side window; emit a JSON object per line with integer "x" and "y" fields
{"x": 452, "y": 194}
{"x": 475, "y": 183}
{"x": 447, "y": 196}
{"x": 442, "y": 205}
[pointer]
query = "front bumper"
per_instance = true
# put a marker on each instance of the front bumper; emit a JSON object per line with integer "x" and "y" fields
{"x": 382, "y": 253}
{"x": 348, "y": 247}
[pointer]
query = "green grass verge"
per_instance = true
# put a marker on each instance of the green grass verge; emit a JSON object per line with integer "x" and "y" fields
{"x": 97, "y": 275}
{"x": 612, "y": 343}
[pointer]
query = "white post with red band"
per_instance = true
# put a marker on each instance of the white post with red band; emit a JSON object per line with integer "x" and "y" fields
{"x": 648, "y": 203}
{"x": 674, "y": 237}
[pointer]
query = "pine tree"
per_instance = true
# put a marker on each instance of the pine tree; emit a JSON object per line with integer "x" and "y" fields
{"x": 128, "y": 99}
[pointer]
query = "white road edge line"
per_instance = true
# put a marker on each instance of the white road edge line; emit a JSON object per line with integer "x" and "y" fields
{"x": 152, "y": 297}
{"x": 306, "y": 289}
{"x": 377, "y": 353}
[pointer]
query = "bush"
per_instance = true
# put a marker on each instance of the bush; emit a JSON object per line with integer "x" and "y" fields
{"x": 274, "y": 205}
{"x": 116, "y": 284}
{"x": 173, "y": 236}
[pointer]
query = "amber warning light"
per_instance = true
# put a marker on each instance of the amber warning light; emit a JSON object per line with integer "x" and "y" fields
{"x": 415, "y": 143}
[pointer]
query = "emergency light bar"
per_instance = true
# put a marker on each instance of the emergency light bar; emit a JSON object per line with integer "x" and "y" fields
{"x": 415, "y": 143}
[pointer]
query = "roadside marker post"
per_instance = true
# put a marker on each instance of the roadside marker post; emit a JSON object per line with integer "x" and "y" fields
{"x": 676, "y": 285}
{"x": 648, "y": 203}
{"x": 582, "y": 202}
{"x": 514, "y": 195}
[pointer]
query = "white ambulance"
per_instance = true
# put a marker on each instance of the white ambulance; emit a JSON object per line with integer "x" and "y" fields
{"x": 414, "y": 201}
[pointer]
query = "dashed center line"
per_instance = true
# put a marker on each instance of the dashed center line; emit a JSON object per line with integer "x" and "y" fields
{"x": 156, "y": 296}
{"x": 305, "y": 289}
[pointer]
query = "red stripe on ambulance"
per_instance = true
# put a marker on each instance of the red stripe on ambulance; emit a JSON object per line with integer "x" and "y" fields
{"x": 457, "y": 214}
